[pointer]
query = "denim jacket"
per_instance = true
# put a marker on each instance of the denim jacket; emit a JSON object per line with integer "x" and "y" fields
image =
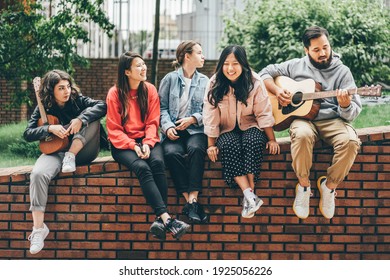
{"x": 171, "y": 89}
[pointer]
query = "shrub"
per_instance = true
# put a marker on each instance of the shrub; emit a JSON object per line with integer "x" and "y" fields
{"x": 25, "y": 149}
{"x": 359, "y": 30}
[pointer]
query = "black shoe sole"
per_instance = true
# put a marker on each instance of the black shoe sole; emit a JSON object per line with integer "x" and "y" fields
{"x": 205, "y": 220}
{"x": 158, "y": 234}
{"x": 194, "y": 220}
{"x": 181, "y": 233}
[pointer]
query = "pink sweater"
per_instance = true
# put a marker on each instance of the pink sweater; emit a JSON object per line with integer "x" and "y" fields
{"x": 223, "y": 118}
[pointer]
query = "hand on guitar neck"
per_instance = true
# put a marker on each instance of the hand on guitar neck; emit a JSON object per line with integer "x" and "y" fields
{"x": 343, "y": 98}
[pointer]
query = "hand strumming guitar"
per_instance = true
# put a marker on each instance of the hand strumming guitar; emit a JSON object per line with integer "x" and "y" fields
{"x": 284, "y": 96}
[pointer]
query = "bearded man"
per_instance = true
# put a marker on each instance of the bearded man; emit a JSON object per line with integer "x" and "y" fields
{"x": 332, "y": 123}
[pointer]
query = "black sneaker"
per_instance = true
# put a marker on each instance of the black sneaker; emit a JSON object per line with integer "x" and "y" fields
{"x": 204, "y": 218}
{"x": 158, "y": 229}
{"x": 193, "y": 215}
{"x": 186, "y": 209}
{"x": 176, "y": 227}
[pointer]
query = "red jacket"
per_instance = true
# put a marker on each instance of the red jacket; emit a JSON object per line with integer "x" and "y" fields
{"x": 123, "y": 137}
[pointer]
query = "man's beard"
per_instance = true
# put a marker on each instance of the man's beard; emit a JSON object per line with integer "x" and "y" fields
{"x": 321, "y": 65}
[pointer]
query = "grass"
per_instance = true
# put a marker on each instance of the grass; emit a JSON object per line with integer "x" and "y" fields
{"x": 370, "y": 116}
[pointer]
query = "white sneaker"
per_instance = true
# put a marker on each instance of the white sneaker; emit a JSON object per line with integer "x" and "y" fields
{"x": 327, "y": 200}
{"x": 37, "y": 237}
{"x": 250, "y": 207}
{"x": 301, "y": 204}
{"x": 69, "y": 163}
{"x": 245, "y": 208}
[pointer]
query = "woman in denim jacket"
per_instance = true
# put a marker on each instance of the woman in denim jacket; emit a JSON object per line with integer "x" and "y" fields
{"x": 181, "y": 99}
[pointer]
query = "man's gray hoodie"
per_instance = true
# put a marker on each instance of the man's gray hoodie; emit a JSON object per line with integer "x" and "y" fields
{"x": 336, "y": 76}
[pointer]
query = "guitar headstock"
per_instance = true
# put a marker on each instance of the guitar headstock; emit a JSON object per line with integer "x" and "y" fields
{"x": 373, "y": 91}
{"x": 37, "y": 83}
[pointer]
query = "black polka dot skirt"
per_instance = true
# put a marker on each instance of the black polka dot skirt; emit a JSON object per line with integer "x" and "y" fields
{"x": 241, "y": 153}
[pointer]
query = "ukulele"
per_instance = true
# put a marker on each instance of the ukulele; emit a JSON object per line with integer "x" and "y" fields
{"x": 304, "y": 100}
{"x": 52, "y": 143}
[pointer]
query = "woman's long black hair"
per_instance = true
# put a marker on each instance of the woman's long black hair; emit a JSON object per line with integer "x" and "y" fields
{"x": 123, "y": 87}
{"x": 243, "y": 85}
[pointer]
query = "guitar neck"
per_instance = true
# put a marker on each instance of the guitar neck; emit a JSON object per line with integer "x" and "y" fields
{"x": 325, "y": 94}
{"x": 40, "y": 107}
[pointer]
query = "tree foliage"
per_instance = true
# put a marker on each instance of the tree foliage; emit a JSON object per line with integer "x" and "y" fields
{"x": 359, "y": 30}
{"x": 32, "y": 42}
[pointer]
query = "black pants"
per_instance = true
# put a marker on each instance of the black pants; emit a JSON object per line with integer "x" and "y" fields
{"x": 187, "y": 177}
{"x": 150, "y": 173}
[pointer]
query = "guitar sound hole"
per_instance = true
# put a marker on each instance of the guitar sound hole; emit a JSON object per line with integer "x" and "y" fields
{"x": 289, "y": 109}
{"x": 297, "y": 98}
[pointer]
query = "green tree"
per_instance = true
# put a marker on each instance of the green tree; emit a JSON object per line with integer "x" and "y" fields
{"x": 360, "y": 31}
{"x": 32, "y": 41}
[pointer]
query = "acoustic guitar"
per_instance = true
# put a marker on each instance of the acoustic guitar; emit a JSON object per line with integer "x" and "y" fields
{"x": 52, "y": 143}
{"x": 305, "y": 101}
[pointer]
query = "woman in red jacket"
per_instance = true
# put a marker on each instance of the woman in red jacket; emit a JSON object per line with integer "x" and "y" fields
{"x": 133, "y": 116}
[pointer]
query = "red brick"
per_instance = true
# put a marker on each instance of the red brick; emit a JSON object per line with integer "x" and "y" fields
{"x": 71, "y": 217}
{"x": 85, "y": 245}
{"x": 163, "y": 255}
{"x": 86, "y": 190}
{"x": 315, "y": 256}
{"x": 11, "y": 254}
{"x": 71, "y": 182}
{"x": 223, "y": 256}
{"x": 360, "y": 229}
{"x": 318, "y": 238}
{"x": 177, "y": 246}
{"x": 70, "y": 235}
{"x": 133, "y": 236}
{"x": 101, "y": 236}
{"x": 147, "y": 245}
{"x": 330, "y": 247}
{"x": 255, "y": 256}
{"x": 116, "y": 245}
{"x": 346, "y": 256}
{"x": 192, "y": 255}
{"x": 208, "y": 246}
{"x": 366, "y": 158}
{"x": 115, "y": 227}
{"x": 85, "y": 208}
{"x": 116, "y": 190}
{"x": 376, "y": 220}
{"x": 101, "y": 217}
{"x": 101, "y": 254}
{"x": 381, "y": 256}
{"x": 376, "y": 203}
{"x": 384, "y": 158}
{"x": 284, "y": 256}
{"x": 115, "y": 208}
{"x": 71, "y": 198}
{"x": 101, "y": 181}
{"x": 85, "y": 226}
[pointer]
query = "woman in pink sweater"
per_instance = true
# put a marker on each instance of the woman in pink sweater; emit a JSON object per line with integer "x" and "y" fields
{"x": 237, "y": 117}
{"x": 133, "y": 114}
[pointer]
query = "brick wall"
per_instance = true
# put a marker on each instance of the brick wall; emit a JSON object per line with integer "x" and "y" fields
{"x": 10, "y": 114}
{"x": 100, "y": 213}
{"x": 94, "y": 82}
